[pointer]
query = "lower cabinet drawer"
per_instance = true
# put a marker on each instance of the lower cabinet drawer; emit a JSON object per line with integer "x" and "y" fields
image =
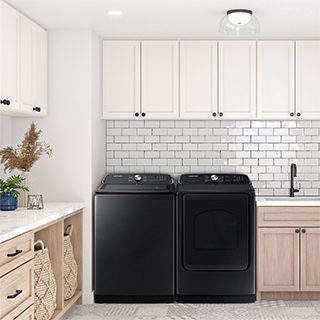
{"x": 17, "y": 291}
{"x": 15, "y": 252}
{"x": 27, "y": 314}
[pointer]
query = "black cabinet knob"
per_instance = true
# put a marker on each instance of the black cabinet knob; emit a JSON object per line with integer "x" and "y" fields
{"x": 137, "y": 114}
{"x": 297, "y": 230}
{"x": 298, "y": 114}
{"x": 5, "y": 102}
{"x": 214, "y": 114}
{"x": 36, "y": 109}
{"x": 291, "y": 114}
{"x": 143, "y": 114}
{"x": 221, "y": 114}
{"x": 303, "y": 231}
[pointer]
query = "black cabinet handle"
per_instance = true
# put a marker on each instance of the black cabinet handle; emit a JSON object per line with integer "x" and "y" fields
{"x": 15, "y": 295}
{"x": 297, "y": 230}
{"x": 5, "y": 102}
{"x": 291, "y": 114}
{"x": 303, "y": 231}
{"x": 137, "y": 114}
{"x": 298, "y": 114}
{"x": 221, "y": 114}
{"x": 214, "y": 114}
{"x": 143, "y": 114}
{"x": 37, "y": 109}
{"x": 14, "y": 254}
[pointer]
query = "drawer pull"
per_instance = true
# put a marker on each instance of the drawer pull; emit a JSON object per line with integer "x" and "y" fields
{"x": 15, "y": 295}
{"x": 14, "y": 254}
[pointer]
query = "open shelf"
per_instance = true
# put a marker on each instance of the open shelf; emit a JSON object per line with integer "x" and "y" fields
{"x": 52, "y": 236}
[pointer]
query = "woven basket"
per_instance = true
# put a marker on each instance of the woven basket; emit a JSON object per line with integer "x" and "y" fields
{"x": 70, "y": 269}
{"x": 45, "y": 288}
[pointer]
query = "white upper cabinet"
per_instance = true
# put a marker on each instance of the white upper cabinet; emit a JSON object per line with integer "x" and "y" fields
{"x": 237, "y": 79}
{"x": 23, "y": 67}
{"x": 33, "y": 67}
{"x": 159, "y": 79}
{"x": 198, "y": 79}
{"x": 121, "y": 79}
{"x": 275, "y": 79}
{"x": 308, "y": 79}
{"x": 9, "y": 55}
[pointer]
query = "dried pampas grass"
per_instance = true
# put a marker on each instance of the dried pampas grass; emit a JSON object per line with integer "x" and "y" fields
{"x": 27, "y": 153}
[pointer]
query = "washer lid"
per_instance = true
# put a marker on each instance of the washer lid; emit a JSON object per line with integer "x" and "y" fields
{"x": 140, "y": 183}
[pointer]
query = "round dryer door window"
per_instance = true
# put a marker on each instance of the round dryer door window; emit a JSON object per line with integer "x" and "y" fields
{"x": 215, "y": 232}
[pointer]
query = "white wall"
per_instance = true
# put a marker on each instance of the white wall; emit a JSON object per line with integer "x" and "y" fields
{"x": 5, "y": 139}
{"x": 72, "y": 128}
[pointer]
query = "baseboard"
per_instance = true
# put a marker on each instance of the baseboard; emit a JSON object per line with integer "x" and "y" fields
{"x": 87, "y": 297}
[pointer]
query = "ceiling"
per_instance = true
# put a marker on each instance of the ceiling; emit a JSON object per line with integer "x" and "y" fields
{"x": 174, "y": 19}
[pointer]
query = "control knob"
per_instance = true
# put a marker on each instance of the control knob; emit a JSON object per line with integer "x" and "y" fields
{"x": 214, "y": 177}
{"x": 137, "y": 177}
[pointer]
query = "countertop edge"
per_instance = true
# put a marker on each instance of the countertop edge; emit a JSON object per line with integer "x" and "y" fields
{"x": 62, "y": 209}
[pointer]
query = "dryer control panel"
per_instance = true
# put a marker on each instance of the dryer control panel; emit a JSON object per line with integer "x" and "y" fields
{"x": 215, "y": 178}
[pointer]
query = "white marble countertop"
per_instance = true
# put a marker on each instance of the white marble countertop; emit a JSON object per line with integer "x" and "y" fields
{"x": 286, "y": 201}
{"x": 21, "y": 220}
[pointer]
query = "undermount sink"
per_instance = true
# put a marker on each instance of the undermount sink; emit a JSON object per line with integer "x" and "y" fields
{"x": 293, "y": 199}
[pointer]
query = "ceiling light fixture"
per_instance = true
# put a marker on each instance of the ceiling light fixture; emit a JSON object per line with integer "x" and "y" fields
{"x": 114, "y": 12}
{"x": 239, "y": 22}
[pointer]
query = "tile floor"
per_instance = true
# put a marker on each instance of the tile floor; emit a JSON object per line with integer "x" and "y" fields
{"x": 264, "y": 310}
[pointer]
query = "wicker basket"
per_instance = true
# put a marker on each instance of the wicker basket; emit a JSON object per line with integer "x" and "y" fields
{"x": 45, "y": 288}
{"x": 70, "y": 269}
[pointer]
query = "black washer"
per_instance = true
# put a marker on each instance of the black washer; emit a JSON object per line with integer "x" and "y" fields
{"x": 215, "y": 238}
{"x": 134, "y": 238}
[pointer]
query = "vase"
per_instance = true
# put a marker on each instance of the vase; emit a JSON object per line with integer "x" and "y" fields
{"x": 29, "y": 182}
{"x": 8, "y": 202}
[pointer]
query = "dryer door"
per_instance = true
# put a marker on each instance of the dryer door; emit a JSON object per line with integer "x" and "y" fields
{"x": 215, "y": 232}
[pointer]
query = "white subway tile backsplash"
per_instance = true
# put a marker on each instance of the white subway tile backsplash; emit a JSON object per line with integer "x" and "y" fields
{"x": 198, "y": 124}
{"x": 250, "y": 131}
{"x": 182, "y": 124}
{"x": 135, "y": 139}
{"x": 167, "y": 124}
{"x": 243, "y": 124}
{"x": 262, "y": 149}
{"x": 137, "y": 124}
{"x": 143, "y": 132}
{"x": 228, "y": 124}
{"x": 235, "y": 132}
{"x": 273, "y": 124}
{"x": 160, "y": 132}
{"x": 152, "y": 124}
{"x": 167, "y": 139}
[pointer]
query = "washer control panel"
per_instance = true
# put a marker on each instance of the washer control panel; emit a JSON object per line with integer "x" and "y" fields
{"x": 216, "y": 178}
{"x": 138, "y": 178}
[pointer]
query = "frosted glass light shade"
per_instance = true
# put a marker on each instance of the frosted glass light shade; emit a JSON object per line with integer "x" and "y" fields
{"x": 239, "y": 22}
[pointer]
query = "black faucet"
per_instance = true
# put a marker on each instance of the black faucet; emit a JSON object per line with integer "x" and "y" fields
{"x": 293, "y": 173}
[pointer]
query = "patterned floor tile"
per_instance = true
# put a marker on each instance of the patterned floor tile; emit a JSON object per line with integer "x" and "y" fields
{"x": 262, "y": 310}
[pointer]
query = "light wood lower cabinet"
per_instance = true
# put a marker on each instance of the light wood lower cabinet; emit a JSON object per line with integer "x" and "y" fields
{"x": 17, "y": 268}
{"x": 288, "y": 257}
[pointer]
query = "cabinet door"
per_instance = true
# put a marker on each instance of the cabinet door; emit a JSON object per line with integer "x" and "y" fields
{"x": 9, "y": 55}
{"x": 278, "y": 259}
{"x": 121, "y": 79}
{"x": 159, "y": 79}
{"x": 308, "y": 79}
{"x": 33, "y": 67}
{"x": 275, "y": 79}
{"x": 310, "y": 259}
{"x": 40, "y": 69}
{"x": 198, "y": 79}
{"x": 237, "y": 79}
